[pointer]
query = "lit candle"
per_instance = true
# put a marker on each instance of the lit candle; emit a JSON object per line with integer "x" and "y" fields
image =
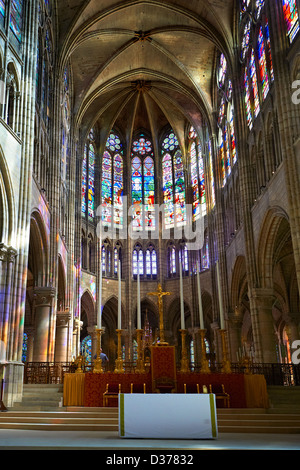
{"x": 200, "y": 299}
{"x": 222, "y": 324}
{"x": 181, "y": 294}
{"x": 119, "y": 296}
{"x": 138, "y": 299}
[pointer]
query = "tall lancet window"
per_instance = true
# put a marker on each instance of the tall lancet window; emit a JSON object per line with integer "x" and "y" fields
{"x": 173, "y": 182}
{"x": 256, "y": 57}
{"x": 151, "y": 262}
{"x": 16, "y": 18}
{"x": 2, "y": 10}
{"x": 226, "y": 136}
{"x": 197, "y": 176}
{"x": 142, "y": 184}
{"x": 88, "y": 179}
{"x": 138, "y": 261}
{"x": 291, "y": 18}
{"x": 112, "y": 182}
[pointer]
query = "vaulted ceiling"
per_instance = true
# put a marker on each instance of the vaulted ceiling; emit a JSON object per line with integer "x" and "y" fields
{"x": 143, "y": 64}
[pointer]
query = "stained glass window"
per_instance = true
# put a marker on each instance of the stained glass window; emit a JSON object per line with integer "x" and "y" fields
{"x": 112, "y": 183}
{"x": 248, "y": 100}
{"x": 91, "y": 182}
{"x": 246, "y": 39}
{"x": 253, "y": 75}
{"x": 142, "y": 184}
{"x": 138, "y": 261}
{"x": 180, "y": 209}
{"x": 261, "y": 52}
{"x": 84, "y": 182}
{"x": 172, "y": 259}
{"x": 2, "y": 8}
{"x": 197, "y": 179}
{"x": 211, "y": 174}
{"x": 269, "y": 53}
{"x": 232, "y": 137}
{"x": 291, "y": 18}
{"x": 184, "y": 258}
{"x": 86, "y": 348}
{"x": 137, "y": 192}
{"x": 151, "y": 262}
{"x": 222, "y": 70}
{"x": 227, "y": 150}
{"x": 222, "y": 161}
{"x": 16, "y": 18}
{"x": 170, "y": 142}
{"x": 149, "y": 192}
{"x": 24, "y": 347}
{"x": 168, "y": 188}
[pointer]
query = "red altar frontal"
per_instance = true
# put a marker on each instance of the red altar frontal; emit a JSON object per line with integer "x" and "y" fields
{"x": 86, "y": 389}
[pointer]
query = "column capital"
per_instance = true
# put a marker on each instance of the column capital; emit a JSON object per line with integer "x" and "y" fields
{"x": 263, "y": 296}
{"x": 63, "y": 319}
{"x": 44, "y": 295}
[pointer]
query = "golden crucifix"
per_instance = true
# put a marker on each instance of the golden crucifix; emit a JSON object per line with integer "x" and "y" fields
{"x": 159, "y": 294}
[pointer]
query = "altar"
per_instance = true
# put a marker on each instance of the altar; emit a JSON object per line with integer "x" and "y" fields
{"x": 168, "y": 416}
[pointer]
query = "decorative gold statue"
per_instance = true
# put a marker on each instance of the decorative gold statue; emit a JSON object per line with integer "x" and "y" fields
{"x": 159, "y": 294}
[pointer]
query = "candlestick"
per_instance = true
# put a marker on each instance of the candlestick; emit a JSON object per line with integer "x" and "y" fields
{"x": 140, "y": 366}
{"x": 119, "y": 362}
{"x": 200, "y": 299}
{"x": 226, "y": 366}
{"x": 204, "y": 362}
{"x": 184, "y": 358}
{"x": 119, "y": 297}
{"x": 98, "y": 361}
{"x": 181, "y": 294}
{"x": 222, "y": 324}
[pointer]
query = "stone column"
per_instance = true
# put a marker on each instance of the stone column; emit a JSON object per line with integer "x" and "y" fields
{"x": 43, "y": 297}
{"x": 62, "y": 338}
{"x": 292, "y": 328}
{"x": 263, "y": 325}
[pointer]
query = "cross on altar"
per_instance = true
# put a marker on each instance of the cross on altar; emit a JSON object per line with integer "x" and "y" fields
{"x": 159, "y": 294}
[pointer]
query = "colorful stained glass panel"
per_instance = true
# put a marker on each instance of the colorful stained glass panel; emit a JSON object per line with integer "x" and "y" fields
{"x": 91, "y": 182}
{"x": 16, "y": 18}
{"x": 263, "y": 73}
{"x": 149, "y": 193}
{"x": 291, "y": 18}
{"x": 137, "y": 192}
{"x": 168, "y": 188}
{"x": 180, "y": 209}
{"x": 106, "y": 188}
{"x": 118, "y": 191}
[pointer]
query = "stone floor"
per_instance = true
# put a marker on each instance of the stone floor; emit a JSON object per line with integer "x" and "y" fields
{"x": 110, "y": 442}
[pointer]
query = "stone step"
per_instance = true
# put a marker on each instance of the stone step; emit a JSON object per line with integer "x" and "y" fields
{"x": 106, "y": 419}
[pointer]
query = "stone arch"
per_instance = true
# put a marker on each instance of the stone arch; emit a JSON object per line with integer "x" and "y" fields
{"x": 38, "y": 257}
{"x": 87, "y": 313}
{"x": 7, "y": 213}
{"x": 274, "y": 223}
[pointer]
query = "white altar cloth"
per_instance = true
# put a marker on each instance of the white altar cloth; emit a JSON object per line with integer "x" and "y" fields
{"x": 168, "y": 416}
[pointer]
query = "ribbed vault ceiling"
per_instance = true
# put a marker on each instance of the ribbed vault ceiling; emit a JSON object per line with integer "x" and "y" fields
{"x": 143, "y": 64}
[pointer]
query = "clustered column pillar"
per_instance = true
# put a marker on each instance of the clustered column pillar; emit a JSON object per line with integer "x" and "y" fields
{"x": 43, "y": 298}
{"x": 263, "y": 325}
{"x": 62, "y": 340}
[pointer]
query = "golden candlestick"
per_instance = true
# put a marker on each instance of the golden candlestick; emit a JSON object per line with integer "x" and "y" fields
{"x": 184, "y": 358}
{"x": 119, "y": 369}
{"x": 98, "y": 361}
{"x": 79, "y": 362}
{"x": 226, "y": 366}
{"x": 159, "y": 294}
{"x": 204, "y": 362}
{"x": 140, "y": 366}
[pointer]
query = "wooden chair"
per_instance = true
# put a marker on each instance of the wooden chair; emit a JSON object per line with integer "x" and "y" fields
{"x": 219, "y": 391}
{"x": 191, "y": 388}
{"x": 137, "y": 388}
{"x": 112, "y": 391}
{"x": 165, "y": 385}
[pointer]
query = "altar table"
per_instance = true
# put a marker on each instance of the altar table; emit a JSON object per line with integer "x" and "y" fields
{"x": 168, "y": 416}
{"x": 86, "y": 389}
